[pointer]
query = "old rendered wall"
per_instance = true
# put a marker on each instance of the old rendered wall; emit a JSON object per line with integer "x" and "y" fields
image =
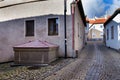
{"x": 79, "y": 31}
{"x": 98, "y": 34}
{"x": 99, "y": 31}
{"x": 119, "y": 35}
{"x": 95, "y": 34}
{"x": 90, "y": 34}
{"x": 39, "y": 8}
{"x": 113, "y": 43}
{"x": 13, "y": 33}
{"x": 12, "y": 27}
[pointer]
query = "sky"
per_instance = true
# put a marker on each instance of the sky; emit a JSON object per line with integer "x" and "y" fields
{"x": 100, "y": 8}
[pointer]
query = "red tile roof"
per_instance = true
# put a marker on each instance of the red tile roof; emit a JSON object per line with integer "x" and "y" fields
{"x": 97, "y": 21}
{"x": 36, "y": 44}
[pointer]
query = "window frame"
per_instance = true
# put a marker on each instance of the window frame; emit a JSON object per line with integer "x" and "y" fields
{"x": 27, "y": 34}
{"x": 53, "y": 33}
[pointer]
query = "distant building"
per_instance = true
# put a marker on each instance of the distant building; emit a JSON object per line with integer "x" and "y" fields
{"x": 95, "y": 34}
{"x": 112, "y": 31}
{"x": 22, "y": 21}
{"x": 94, "y": 29}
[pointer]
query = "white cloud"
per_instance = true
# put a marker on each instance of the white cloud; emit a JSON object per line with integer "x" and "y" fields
{"x": 114, "y": 6}
{"x": 98, "y": 8}
{"x": 93, "y": 8}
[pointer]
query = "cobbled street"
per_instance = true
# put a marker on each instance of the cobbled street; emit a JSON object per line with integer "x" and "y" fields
{"x": 95, "y": 62}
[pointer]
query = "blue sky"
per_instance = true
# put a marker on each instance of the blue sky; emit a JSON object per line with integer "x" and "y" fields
{"x": 100, "y": 8}
{"x": 108, "y": 1}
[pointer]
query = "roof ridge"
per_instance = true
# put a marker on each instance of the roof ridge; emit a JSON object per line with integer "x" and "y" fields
{"x": 9, "y": 5}
{"x": 111, "y": 17}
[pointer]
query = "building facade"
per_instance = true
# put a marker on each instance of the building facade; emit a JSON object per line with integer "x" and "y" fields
{"x": 112, "y": 31}
{"x": 95, "y": 28}
{"x": 29, "y": 20}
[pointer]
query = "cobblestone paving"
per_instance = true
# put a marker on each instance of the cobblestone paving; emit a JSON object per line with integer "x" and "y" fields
{"x": 96, "y": 62}
{"x": 31, "y": 73}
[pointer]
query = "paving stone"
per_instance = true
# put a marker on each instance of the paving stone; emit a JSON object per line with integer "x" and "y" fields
{"x": 95, "y": 62}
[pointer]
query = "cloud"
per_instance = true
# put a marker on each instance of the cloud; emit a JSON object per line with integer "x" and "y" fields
{"x": 99, "y": 8}
{"x": 93, "y": 8}
{"x": 113, "y": 7}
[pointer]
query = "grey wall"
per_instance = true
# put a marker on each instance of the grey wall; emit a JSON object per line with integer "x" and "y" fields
{"x": 113, "y": 43}
{"x": 12, "y": 26}
{"x": 12, "y": 33}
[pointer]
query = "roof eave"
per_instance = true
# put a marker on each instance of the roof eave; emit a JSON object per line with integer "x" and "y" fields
{"x": 80, "y": 6}
{"x": 5, "y": 6}
{"x": 114, "y": 14}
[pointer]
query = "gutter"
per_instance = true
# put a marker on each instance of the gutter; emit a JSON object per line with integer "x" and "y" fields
{"x": 73, "y": 23}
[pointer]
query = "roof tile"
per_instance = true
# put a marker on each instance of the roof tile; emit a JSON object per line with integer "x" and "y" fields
{"x": 36, "y": 44}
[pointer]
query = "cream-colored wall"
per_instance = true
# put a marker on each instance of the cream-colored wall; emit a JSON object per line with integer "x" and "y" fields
{"x": 96, "y": 33}
{"x": 79, "y": 29}
{"x": 11, "y": 2}
{"x": 32, "y": 9}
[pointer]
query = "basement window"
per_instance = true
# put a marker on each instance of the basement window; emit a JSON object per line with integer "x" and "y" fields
{"x": 29, "y": 27}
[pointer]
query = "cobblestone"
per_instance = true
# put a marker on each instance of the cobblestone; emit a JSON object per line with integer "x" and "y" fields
{"x": 95, "y": 62}
{"x": 27, "y": 73}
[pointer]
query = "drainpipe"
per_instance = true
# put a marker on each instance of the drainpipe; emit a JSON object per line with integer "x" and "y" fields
{"x": 65, "y": 10}
{"x": 73, "y": 23}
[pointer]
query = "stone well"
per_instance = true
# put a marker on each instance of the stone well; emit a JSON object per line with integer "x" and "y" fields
{"x": 35, "y": 52}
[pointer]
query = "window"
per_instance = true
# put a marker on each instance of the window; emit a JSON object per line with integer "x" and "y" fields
{"x": 94, "y": 35}
{"x": 107, "y": 34}
{"x": 101, "y": 26}
{"x": 112, "y": 32}
{"x": 53, "y": 26}
{"x": 101, "y": 34}
{"x": 29, "y": 28}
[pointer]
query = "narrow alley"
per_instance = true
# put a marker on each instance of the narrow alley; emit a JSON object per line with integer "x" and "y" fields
{"x": 95, "y": 62}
